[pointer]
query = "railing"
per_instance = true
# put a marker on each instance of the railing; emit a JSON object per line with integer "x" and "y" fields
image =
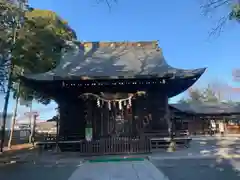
{"x": 103, "y": 146}
{"x": 159, "y": 143}
{"x": 161, "y": 134}
{"x": 114, "y": 145}
{"x": 19, "y": 137}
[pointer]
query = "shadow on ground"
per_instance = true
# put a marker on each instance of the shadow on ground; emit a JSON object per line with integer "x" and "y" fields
{"x": 210, "y": 163}
{"x": 216, "y": 146}
{"x": 60, "y": 166}
{"x": 189, "y": 169}
{"x": 32, "y": 171}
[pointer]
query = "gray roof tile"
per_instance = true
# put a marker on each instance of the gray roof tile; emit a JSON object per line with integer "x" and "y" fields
{"x": 208, "y": 108}
{"x": 115, "y": 60}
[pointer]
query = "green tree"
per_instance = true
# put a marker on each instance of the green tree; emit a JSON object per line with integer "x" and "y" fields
{"x": 196, "y": 95}
{"x": 40, "y": 41}
{"x": 209, "y": 95}
{"x": 202, "y": 95}
{"x": 193, "y": 96}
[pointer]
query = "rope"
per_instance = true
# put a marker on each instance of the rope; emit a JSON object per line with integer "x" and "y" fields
{"x": 105, "y": 100}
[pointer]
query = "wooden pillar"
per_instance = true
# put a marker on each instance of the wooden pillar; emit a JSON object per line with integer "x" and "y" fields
{"x": 111, "y": 123}
{"x": 157, "y": 107}
{"x": 174, "y": 124}
{"x": 101, "y": 121}
{"x": 105, "y": 119}
{"x": 94, "y": 120}
{"x": 72, "y": 119}
{"x": 88, "y": 111}
{"x": 98, "y": 119}
{"x": 138, "y": 114}
{"x": 168, "y": 118}
{"x": 134, "y": 117}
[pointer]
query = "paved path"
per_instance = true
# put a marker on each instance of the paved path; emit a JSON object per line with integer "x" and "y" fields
{"x": 191, "y": 169}
{"x": 183, "y": 169}
{"x": 134, "y": 170}
{"x": 205, "y": 147}
{"x": 180, "y": 165}
{"x": 31, "y": 171}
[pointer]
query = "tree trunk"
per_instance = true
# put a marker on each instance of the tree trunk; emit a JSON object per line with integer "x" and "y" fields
{"x": 5, "y": 108}
{"x": 30, "y": 123}
{"x": 32, "y": 137}
{"x": 14, "y": 119}
{"x": 57, "y": 130}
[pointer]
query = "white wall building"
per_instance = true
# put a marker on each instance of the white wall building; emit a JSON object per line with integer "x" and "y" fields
{"x": 8, "y": 120}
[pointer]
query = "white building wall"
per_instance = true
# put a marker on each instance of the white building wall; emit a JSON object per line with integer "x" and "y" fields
{"x": 8, "y": 120}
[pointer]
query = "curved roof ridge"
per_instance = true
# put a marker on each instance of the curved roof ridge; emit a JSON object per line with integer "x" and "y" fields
{"x": 116, "y": 60}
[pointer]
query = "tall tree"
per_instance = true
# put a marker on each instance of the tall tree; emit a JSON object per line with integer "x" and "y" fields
{"x": 193, "y": 96}
{"x": 39, "y": 44}
{"x": 209, "y": 95}
{"x": 215, "y": 92}
{"x": 32, "y": 40}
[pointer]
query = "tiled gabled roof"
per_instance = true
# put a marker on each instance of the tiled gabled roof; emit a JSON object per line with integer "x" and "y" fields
{"x": 208, "y": 108}
{"x": 115, "y": 60}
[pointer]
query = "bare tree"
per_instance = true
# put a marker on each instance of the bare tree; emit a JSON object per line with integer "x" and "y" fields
{"x": 108, "y": 2}
{"x": 214, "y": 92}
{"x": 229, "y": 10}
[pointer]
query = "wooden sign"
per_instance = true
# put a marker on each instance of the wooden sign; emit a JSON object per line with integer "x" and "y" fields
{"x": 88, "y": 134}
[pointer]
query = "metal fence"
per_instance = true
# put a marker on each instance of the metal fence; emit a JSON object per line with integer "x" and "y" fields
{"x": 19, "y": 137}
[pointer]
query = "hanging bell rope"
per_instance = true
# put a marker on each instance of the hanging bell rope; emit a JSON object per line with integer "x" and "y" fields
{"x": 130, "y": 101}
{"x": 98, "y": 103}
{"x": 109, "y": 105}
{"x": 120, "y": 105}
{"x": 124, "y": 103}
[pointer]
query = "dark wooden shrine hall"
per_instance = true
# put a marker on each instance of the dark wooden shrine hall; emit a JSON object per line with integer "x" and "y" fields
{"x": 199, "y": 117}
{"x": 100, "y": 82}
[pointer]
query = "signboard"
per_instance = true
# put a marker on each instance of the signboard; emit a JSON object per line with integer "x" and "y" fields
{"x": 24, "y": 134}
{"x": 88, "y": 134}
{"x": 24, "y": 102}
{"x": 33, "y": 113}
{"x": 236, "y": 75}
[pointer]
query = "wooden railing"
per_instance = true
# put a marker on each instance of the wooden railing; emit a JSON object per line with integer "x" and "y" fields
{"x": 146, "y": 143}
{"x": 111, "y": 145}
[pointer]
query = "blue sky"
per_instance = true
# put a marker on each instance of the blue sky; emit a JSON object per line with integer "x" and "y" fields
{"x": 179, "y": 26}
